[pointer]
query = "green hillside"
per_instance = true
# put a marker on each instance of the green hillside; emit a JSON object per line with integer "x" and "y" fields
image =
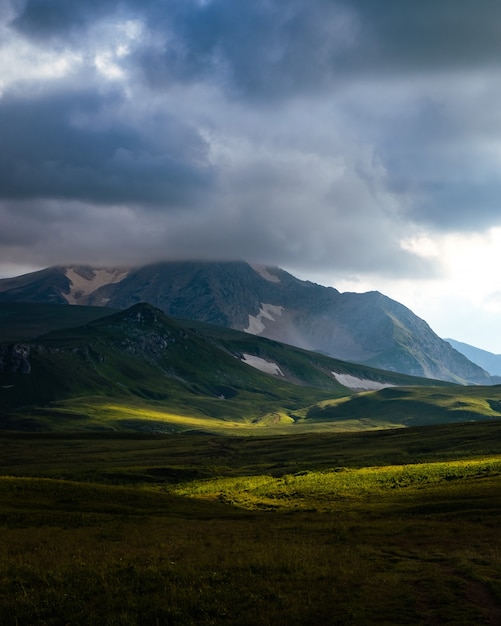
{"x": 140, "y": 370}
{"x": 299, "y": 366}
{"x": 415, "y": 406}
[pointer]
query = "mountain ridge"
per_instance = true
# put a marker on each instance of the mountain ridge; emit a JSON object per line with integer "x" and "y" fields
{"x": 367, "y": 328}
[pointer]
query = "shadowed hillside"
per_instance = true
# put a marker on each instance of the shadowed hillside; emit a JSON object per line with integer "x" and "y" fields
{"x": 139, "y": 369}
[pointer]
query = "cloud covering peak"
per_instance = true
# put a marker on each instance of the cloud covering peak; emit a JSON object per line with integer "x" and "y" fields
{"x": 317, "y": 134}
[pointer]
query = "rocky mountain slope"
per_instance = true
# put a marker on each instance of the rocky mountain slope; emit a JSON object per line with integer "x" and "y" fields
{"x": 367, "y": 328}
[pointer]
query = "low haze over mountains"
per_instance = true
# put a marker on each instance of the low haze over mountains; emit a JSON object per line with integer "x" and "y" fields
{"x": 367, "y": 328}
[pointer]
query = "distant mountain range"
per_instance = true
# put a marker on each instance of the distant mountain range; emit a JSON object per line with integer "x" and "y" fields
{"x": 367, "y": 328}
{"x": 487, "y": 360}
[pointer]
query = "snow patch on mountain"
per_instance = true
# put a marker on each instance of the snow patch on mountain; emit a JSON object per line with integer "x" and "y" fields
{"x": 267, "y": 311}
{"x": 262, "y": 270}
{"x": 359, "y": 384}
{"x": 268, "y": 367}
{"x": 85, "y": 282}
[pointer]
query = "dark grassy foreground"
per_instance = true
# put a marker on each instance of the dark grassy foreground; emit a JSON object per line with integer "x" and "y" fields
{"x": 396, "y": 527}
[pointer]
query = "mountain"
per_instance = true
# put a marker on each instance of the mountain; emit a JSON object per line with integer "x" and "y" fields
{"x": 117, "y": 370}
{"x": 487, "y": 360}
{"x": 367, "y": 328}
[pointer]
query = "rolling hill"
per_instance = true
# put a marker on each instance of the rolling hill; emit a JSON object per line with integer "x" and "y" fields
{"x": 141, "y": 370}
{"x": 141, "y": 359}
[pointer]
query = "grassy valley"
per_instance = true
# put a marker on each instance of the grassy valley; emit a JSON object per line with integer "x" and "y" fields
{"x": 383, "y": 527}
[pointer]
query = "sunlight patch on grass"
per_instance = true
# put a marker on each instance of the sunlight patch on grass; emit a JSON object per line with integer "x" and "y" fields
{"x": 323, "y": 489}
{"x": 97, "y": 412}
{"x": 120, "y": 412}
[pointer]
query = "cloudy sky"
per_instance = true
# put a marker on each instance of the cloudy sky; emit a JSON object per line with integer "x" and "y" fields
{"x": 354, "y": 143}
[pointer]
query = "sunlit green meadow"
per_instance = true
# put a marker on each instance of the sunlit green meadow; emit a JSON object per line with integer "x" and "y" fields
{"x": 327, "y": 490}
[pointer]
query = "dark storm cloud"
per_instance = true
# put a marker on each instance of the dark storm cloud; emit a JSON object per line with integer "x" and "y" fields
{"x": 270, "y": 48}
{"x": 70, "y": 145}
{"x": 48, "y": 19}
{"x": 263, "y": 48}
{"x": 324, "y": 131}
{"x": 428, "y": 36}
{"x": 443, "y": 152}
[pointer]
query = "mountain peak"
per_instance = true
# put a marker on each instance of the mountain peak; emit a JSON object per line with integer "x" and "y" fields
{"x": 264, "y": 272}
{"x": 139, "y": 315}
{"x": 144, "y": 313}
